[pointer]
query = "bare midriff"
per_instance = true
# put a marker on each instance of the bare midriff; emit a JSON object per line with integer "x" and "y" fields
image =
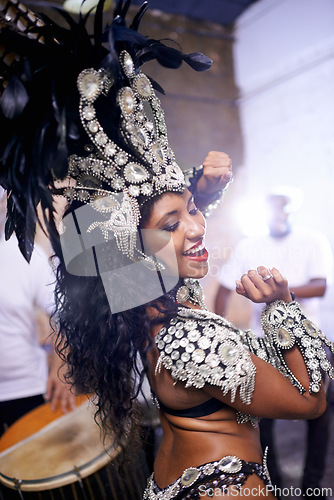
{"x": 190, "y": 442}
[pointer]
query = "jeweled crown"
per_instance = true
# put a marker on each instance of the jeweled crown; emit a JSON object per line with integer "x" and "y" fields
{"x": 146, "y": 135}
{"x": 147, "y": 172}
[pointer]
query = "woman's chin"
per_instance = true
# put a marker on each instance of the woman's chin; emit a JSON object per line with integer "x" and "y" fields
{"x": 195, "y": 272}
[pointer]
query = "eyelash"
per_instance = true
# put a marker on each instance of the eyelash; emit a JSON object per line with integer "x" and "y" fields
{"x": 174, "y": 227}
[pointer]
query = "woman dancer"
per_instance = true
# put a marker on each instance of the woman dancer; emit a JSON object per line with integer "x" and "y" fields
{"x": 84, "y": 123}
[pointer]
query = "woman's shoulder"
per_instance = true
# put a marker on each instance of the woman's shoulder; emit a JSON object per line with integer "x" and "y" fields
{"x": 198, "y": 314}
{"x": 199, "y": 347}
{"x": 190, "y": 318}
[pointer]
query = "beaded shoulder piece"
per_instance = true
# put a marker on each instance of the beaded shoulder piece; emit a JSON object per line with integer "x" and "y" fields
{"x": 199, "y": 347}
{"x": 285, "y": 326}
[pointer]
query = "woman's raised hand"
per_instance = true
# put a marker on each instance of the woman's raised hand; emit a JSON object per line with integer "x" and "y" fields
{"x": 217, "y": 173}
{"x": 263, "y": 285}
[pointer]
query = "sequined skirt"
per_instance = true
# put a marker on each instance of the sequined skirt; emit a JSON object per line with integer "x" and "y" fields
{"x": 195, "y": 482}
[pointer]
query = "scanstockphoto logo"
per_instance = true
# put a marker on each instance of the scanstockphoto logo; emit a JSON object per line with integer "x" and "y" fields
{"x": 263, "y": 491}
{"x": 90, "y": 253}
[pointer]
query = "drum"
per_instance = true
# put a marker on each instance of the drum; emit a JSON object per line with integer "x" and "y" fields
{"x": 51, "y": 455}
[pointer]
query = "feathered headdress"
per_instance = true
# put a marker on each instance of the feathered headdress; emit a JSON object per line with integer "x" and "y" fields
{"x": 76, "y": 105}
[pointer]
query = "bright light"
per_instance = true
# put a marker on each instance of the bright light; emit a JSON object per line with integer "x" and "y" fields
{"x": 251, "y": 216}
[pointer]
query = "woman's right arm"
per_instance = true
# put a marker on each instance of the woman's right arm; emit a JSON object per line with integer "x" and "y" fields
{"x": 204, "y": 351}
{"x": 274, "y": 396}
{"x": 286, "y": 328}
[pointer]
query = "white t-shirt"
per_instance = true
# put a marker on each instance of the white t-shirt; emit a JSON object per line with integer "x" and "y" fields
{"x": 300, "y": 256}
{"x": 23, "y": 364}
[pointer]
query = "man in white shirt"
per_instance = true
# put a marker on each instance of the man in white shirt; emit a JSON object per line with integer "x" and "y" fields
{"x": 25, "y": 378}
{"x": 304, "y": 257}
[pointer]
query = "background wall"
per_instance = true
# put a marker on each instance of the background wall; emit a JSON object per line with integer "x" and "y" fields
{"x": 200, "y": 108}
{"x": 284, "y": 69}
{"x": 284, "y": 66}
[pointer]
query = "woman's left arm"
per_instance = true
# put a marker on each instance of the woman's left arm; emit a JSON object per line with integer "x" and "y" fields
{"x": 217, "y": 173}
{"x": 209, "y": 181}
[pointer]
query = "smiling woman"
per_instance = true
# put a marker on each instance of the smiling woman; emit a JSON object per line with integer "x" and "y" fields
{"x": 128, "y": 300}
{"x": 177, "y": 214}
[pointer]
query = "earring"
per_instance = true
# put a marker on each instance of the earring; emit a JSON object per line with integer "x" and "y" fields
{"x": 152, "y": 264}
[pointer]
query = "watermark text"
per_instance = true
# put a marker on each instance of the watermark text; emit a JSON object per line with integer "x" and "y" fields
{"x": 263, "y": 491}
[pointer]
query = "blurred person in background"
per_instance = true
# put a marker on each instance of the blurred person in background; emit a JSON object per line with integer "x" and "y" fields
{"x": 27, "y": 380}
{"x": 305, "y": 258}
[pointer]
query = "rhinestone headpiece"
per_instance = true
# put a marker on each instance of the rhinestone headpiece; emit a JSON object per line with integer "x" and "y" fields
{"x": 113, "y": 180}
{"x": 104, "y": 130}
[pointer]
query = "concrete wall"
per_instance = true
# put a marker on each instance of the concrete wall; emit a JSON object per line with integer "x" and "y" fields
{"x": 200, "y": 108}
{"x": 284, "y": 65}
{"x": 284, "y": 68}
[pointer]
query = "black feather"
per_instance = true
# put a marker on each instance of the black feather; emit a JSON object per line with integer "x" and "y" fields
{"x": 9, "y": 226}
{"x": 98, "y": 21}
{"x": 110, "y": 62}
{"x": 136, "y": 20}
{"x": 124, "y": 34}
{"x": 156, "y": 85}
{"x": 14, "y": 98}
{"x": 118, "y": 9}
{"x": 198, "y": 61}
{"x": 125, "y": 8}
{"x": 171, "y": 57}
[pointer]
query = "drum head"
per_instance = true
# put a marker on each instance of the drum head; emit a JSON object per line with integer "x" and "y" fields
{"x": 61, "y": 452}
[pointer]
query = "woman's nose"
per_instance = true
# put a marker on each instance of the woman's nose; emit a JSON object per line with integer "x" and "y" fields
{"x": 196, "y": 229}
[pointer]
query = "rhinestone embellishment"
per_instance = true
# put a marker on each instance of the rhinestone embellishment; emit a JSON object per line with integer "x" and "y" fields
{"x": 104, "y": 204}
{"x": 127, "y": 64}
{"x": 90, "y": 84}
{"x": 310, "y": 328}
{"x": 143, "y": 86}
{"x": 230, "y": 464}
{"x": 140, "y": 136}
{"x": 126, "y": 100}
{"x": 286, "y": 325}
{"x": 284, "y": 339}
{"x": 189, "y": 476}
{"x": 228, "y": 353}
{"x": 89, "y": 112}
{"x": 211, "y": 352}
{"x": 182, "y": 294}
{"x": 133, "y": 172}
{"x": 158, "y": 153}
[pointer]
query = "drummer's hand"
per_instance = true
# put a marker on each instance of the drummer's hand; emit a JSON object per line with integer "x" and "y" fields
{"x": 58, "y": 391}
{"x": 263, "y": 285}
{"x": 217, "y": 173}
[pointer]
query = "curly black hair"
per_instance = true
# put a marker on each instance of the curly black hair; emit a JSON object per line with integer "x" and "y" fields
{"x": 106, "y": 352}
